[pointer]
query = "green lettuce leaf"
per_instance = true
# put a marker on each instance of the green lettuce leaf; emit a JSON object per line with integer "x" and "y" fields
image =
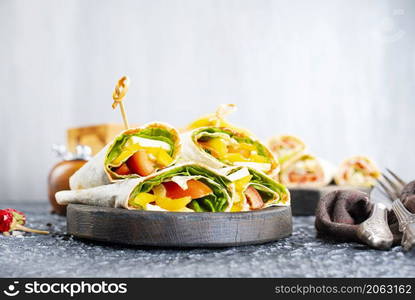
{"x": 216, "y": 202}
{"x": 266, "y": 186}
{"x": 210, "y": 132}
{"x": 259, "y": 179}
{"x": 266, "y": 193}
{"x": 159, "y": 134}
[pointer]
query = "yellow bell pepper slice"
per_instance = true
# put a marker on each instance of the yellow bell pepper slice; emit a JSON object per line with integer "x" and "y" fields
{"x": 218, "y": 145}
{"x": 237, "y": 206}
{"x": 163, "y": 158}
{"x": 234, "y": 157}
{"x": 259, "y": 159}
{"x": 242, "y": 148}
{"x": 240, "y": 184}
{"x": 238, "y": 157}
{"x": 151, "y": 150}
{"x": 246, "y": 146}
{"x": 127, "y": 152}
{"x": 172, "y": 204}
{"x": 142, "y": 199}
{"x": 209, "y": 120}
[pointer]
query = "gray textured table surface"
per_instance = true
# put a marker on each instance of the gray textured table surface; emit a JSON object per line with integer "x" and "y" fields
{"x": 301, "y": 255}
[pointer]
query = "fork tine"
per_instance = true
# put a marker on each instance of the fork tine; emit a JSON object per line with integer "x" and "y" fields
{"x": 401, "y": 212}
{"x": 401, "y": 181}
{"x": 396, "y": 189}
{"x": 406, "y": 224}
{"x": 383, "y": 193}
{"x": 398, "y": 213}
{"x": 386, "y": 190}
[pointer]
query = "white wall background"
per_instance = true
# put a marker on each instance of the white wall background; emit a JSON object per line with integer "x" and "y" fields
{"x": 340, "y": 74}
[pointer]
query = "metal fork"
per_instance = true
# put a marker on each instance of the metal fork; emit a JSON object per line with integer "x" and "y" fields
{"x": 375, "y": 231}
{"x": 406, "y": 221}
{"x": 392, "y": 189}
{"x": 392, "y": 186}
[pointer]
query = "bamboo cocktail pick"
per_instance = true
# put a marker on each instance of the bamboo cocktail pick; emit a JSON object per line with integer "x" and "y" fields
{"x": 120, "y": 90}
{"x": 222, "y": 111}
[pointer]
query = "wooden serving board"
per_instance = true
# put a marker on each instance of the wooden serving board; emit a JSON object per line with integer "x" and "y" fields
{"x": 304, "y": 200}
{"x": 178, "y": 229}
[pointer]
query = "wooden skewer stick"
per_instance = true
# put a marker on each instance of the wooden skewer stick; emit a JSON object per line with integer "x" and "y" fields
{"x": 222, "y": 111}
{"x": 120, "y": 90}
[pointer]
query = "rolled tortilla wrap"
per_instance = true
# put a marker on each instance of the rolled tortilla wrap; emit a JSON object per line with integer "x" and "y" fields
{"x": 255, "y": 190}
{"x": 135, "y": 152}
{"x": 219, "y": 147}
{"x": 186, "y": 187}
{"x": 286, "y": 148}
{"x": 307, "y": 171}
{"x": 357, "y": 171}
{"x": 110, "y": 195}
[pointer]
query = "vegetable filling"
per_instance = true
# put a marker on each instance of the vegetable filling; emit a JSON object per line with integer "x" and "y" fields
{"x": 171, "y": 196}
{"x": 304, "y": 171}
{"x": 359, "y": 173}
{"x": 256, "y": 188}
{"x": 286, "y": 147}
{"x": 184, "y": 188}
{"x": 233, "y": 149}
{"x": 141, "y": 153}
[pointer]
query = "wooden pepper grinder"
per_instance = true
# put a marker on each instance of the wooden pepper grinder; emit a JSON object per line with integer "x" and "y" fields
{"x": 58, "y": 179}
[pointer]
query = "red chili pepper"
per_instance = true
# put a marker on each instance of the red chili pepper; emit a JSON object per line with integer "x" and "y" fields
{"x": 17, "y": 215}
{"x": 11, "y": 219}
{"x": 6, "y": 220}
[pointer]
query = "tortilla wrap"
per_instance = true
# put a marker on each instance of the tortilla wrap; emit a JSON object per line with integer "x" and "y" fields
{"x": 357, "y": 171}
{"x": 122, "y": 194}
{"x": 307, "y": 171}
{"x": 272, "y": 193}
{"x": 286, "y": 148}
{"x": 193, "y": 150}
{"x": 100, "y": 170}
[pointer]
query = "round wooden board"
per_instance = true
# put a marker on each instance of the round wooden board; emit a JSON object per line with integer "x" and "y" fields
{"x": 178, "y": 229}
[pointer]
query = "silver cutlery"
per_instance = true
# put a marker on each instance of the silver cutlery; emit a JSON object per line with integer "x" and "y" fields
{"x": 406, "y": 221}
{"x": 392, "y": 189}
{"x": 392, "y": 186}
{"x": 375, "y": 231}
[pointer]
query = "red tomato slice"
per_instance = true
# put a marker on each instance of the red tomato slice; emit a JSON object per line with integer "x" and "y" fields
{"x": 195, "y": 189}
{"x": 254, "y": 198}
{"x": 122, "y": 170}
{"x": 140, "y": 163}
{"x": 294, "y": 177}
{"x": 308, "y": 177}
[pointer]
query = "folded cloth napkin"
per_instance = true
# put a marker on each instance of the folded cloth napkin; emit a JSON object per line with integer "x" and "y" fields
{"x": 339, "y": 212}
{"x": 408, "y": 200}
